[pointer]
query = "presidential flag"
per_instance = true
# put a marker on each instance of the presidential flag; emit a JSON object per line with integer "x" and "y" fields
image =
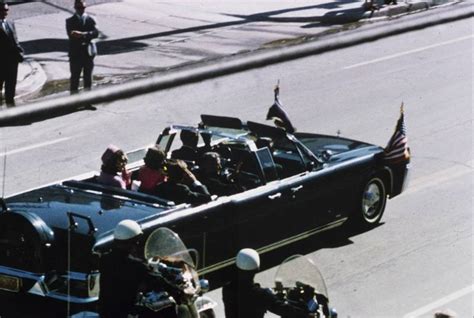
{"x": 397, "y": 150}
{"x": 278, "y": 114}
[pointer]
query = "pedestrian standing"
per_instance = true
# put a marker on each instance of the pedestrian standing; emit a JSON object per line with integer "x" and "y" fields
{"x": 11, "y": 53}
{"x": 81, "y": 29}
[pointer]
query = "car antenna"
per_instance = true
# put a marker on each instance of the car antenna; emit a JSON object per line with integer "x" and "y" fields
{"x": 2, "y": 200}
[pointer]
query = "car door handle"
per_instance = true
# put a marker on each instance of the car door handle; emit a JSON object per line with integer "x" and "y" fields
{"x": 274, "y": 196}
{"x": 296, "y": 189}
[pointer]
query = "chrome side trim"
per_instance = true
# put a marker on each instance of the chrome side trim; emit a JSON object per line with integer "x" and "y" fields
{"x": 71, "y": 299}
{"x": 271, "y": 247}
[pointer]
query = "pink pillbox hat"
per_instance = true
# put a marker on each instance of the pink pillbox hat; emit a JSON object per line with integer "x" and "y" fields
{"x": 109, "y": 153}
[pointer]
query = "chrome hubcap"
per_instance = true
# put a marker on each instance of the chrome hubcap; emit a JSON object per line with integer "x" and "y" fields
{"x": 371, "y": 200}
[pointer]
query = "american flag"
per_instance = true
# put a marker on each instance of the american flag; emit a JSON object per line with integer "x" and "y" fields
{"x": 279, "y": 115}
{"x": 397, "y": 150}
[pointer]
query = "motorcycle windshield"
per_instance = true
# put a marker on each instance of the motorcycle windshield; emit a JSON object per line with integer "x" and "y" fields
{"x": 166, "y": 244}
{"x": 299, "y": 268}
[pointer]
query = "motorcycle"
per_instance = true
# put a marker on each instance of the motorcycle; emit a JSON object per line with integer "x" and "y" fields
{"x": 299, "y": 282}
{"x": 174, "y": 290}
{"x": 180, "y": 292}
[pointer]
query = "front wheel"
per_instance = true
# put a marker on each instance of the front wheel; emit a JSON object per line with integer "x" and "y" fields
{"x": 372, "y": 202}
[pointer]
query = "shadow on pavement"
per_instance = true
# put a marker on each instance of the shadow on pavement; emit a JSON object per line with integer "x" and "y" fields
{"x": 46, "y": 116}
{"x": 331, "y": 239}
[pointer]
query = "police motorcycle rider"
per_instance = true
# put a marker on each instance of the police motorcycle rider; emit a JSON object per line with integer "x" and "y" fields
{"x": 126, "y": 281}
{"x": 122, "y": 274}
{"x": 243, "y": 298}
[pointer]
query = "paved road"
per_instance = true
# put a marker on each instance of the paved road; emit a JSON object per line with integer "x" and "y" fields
{"x": 420, "y": 259}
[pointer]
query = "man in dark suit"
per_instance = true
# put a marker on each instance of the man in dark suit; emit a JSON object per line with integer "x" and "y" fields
{"x": 81, "y": 29}
{"x": 11, "y": 53}
{"x": 210, "y": 174}
{"x": 188, "y": 151}
{"x": 182, "y": 186}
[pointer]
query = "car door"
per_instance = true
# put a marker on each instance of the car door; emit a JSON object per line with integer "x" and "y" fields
{"x": 309, "y": 191}
{"x": 209, "y": 229}
{"x": 259, "y": 217}
{"x": 311, "y": 201}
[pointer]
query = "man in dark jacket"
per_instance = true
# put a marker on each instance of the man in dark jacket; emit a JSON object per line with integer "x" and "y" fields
{"x": 210, "y": 175}
{"x": 11, "y": 53}
{"x": 188, "y": 151}
{"x": 243, "y": 298}
{"x": 81, "y": 29}
{"x": 182, "y": 186}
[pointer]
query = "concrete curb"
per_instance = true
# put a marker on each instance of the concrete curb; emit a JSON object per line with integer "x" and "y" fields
{"x": 407, "y": 8}
{"x": 31, "y": 79}
{"x": 362, "y": 14}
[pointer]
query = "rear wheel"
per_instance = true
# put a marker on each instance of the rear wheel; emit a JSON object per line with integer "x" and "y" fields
{"x": 372, "y": 202}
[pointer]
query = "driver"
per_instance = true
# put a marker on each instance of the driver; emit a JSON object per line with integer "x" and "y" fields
{"x": 210, "y": 174}
{"x": 243, "y": 298}
{"x": 121, "y": 273}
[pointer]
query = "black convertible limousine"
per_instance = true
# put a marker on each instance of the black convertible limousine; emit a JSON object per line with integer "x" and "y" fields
{"x": 51, "y": 237}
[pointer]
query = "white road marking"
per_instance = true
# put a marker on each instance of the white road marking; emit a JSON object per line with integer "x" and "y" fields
{"x": 388, "y": 57}
{"x": 47, "y": 143}
{"x": 440, "y": 302}
{"x": 439, "y": 177}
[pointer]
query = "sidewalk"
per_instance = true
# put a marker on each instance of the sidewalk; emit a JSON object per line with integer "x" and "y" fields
{"x": 142, "y": 37}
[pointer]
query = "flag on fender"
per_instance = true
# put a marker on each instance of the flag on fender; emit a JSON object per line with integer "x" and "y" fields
{"x": 397, "y": 150}
{"x": 279, "y": 115}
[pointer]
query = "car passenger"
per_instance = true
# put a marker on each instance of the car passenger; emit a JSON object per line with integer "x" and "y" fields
{"x": 114, "y": 161}
{"x": 188, "y": 151}
{"x": 182, "y": 186}
{"x": 152, "y": 173}
{"x": 210, "y": 174}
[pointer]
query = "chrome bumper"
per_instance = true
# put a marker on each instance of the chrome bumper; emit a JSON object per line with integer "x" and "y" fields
{"x": 71, "y": 287}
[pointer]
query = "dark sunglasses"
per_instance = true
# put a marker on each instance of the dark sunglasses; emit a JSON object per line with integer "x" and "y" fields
{"x": 3, "y": 9}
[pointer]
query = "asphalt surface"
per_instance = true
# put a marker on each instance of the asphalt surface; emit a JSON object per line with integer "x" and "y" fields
{"x": 140, "y": 38}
